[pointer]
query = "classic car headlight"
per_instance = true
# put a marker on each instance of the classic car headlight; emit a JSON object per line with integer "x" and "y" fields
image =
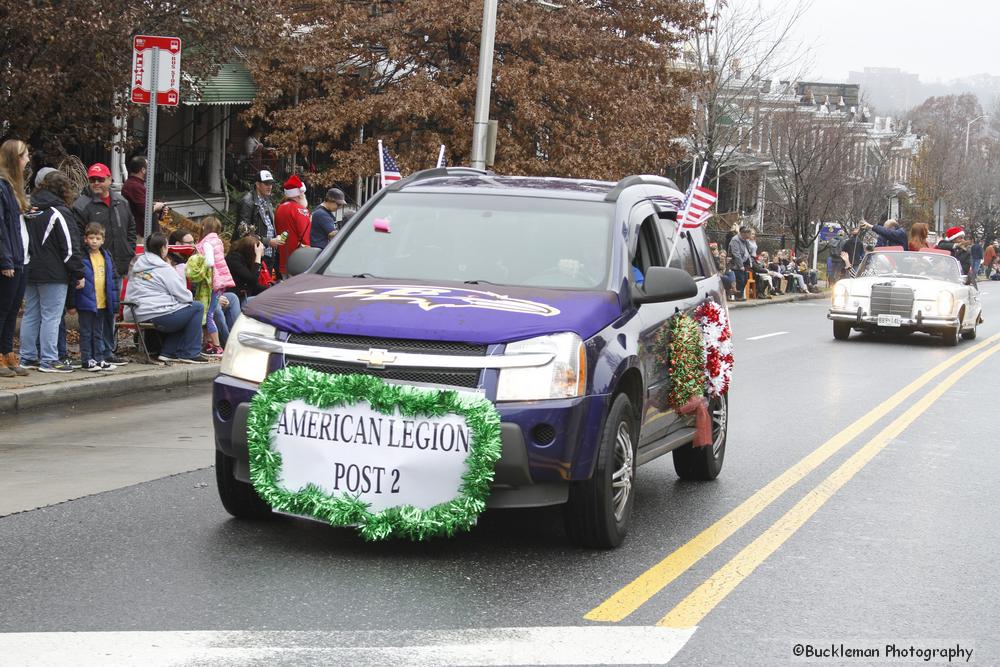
{"x": 242, "y": 361}
{"x": 945, "y": 302}
{"x": 840, "y": 294}
{"x": 563, "y": 377}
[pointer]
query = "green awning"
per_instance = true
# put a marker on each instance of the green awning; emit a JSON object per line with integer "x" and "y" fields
{"x": 231, "y": 85}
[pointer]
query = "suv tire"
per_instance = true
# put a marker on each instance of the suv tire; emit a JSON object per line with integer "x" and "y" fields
{"x": 239, "y": 498}
{"x": 705, "y": 463}
{"x": 600, "y": 508}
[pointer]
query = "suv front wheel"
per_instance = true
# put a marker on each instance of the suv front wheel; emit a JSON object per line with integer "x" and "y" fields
{"x": 599, "y": 509}
{"x": 239, "y": 498}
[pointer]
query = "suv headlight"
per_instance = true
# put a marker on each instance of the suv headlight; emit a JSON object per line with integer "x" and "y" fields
{"x": 945, "y": 302}
{"x": 242, "y": 361}
{"x": 840, "y": 295}
{"x": 563, "y": 377}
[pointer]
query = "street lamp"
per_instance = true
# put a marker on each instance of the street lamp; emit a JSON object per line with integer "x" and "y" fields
{"x": 968, "y": 126}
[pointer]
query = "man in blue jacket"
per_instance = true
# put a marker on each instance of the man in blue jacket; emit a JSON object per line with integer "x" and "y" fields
{"x": 889, "y": 234}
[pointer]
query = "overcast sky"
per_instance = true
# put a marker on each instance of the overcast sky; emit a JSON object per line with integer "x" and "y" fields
{"x": 939, "y": 41}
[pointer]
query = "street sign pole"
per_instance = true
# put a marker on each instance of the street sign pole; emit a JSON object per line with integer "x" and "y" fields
{"x": 151, "y": 147}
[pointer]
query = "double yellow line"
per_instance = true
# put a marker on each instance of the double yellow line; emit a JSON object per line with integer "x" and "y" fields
{"x": 692, "y": 609}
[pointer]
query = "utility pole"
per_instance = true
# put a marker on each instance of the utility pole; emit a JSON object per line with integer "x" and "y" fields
{"x": 484, "y": 83}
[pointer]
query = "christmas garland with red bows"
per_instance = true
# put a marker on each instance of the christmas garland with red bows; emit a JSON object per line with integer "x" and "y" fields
{"x": 698, "y": 352}
{"x": 717, "y": 348}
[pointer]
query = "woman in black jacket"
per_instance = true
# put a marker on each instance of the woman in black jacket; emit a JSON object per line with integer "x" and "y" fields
{"x": 243, "y": 261}
{"x": 55, "y": 266}
{"x": 14, "y": 158}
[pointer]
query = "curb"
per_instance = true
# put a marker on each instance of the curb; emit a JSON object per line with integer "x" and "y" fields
{"x": 825, "y": 294}
{"x": 30, "y": 398}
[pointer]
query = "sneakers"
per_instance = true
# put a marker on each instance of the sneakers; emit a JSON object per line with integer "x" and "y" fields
{"x": 58, "y": 367}
{"x": 71, "y": 362}
{"x": 196, "y": 360}
{"x": 167, "y": 359}
{"x": 92, "y": 366}
{"x": 30, "y": 363}
{"x": 212, "y": 351}
{"x": 105, "y": 366}
{"x": 115, "y": 360}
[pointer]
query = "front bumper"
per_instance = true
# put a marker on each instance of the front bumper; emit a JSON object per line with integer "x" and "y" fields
{"x": 861, "y": 319}
{"x": 545, "y": 444}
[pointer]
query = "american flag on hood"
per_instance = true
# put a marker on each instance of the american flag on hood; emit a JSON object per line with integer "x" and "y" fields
{"x": 387, "y": 166}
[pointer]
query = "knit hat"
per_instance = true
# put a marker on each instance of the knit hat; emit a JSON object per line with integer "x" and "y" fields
{"x": 954, "y": 233}
{"x": 40, "y": 176}
{"x": 294, "y": 187}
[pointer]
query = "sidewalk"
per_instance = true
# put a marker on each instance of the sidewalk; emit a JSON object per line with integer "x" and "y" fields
{"x": 39, "y": 390}
{"x": 784, "y": 298}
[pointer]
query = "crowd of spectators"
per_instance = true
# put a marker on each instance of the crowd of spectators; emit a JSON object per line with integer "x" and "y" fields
{"x": 741, "y": 264}
{"x": 66, "y": 251}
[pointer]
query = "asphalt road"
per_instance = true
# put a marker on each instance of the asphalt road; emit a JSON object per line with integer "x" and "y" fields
{"x": 827, "y": 529}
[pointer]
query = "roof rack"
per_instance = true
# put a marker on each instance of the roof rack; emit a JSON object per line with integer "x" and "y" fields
{"x": 437, "y": 172}
{"x": 629, "y": 181}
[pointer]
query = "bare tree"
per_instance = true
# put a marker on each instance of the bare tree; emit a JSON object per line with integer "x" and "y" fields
{"x": 812, "y": 157}
{"x": 740, "y": 49}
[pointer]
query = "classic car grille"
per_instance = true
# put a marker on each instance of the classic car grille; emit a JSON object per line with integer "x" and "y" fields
{"x": 892, "y": 300}
{"x": 460, "y": 377}
{"x": 391, "y": 344}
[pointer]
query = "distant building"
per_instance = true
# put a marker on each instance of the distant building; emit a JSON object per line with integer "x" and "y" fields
{"x": 889, "y": 89}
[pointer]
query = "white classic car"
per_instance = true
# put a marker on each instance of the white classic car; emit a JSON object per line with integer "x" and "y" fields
{"x": 897, "y": 291}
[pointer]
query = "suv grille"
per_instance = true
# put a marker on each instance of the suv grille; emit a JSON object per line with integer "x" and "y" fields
{"x": 454, "y": 377}
{"x": 391, "y": 344}
{"x": 891, "y": 300}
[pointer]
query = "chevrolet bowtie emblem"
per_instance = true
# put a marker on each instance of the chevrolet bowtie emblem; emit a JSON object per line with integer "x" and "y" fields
{"x": 376, "y": 358}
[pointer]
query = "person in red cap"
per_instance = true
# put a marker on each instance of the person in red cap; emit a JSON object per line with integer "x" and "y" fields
{"x": 954, "y": 241}
{"x": 111, "y": 211}
{"x": 292, "y": 217}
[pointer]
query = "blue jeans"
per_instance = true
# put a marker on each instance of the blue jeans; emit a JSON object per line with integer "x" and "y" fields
{"x": 975, "y": 266}
{"x": 213, "y": 304}
{"x": 92, "y": 336}
{"x": 225, "y": 318}
{"x": 11, "y": 295}
{"x": 183, "y": 331}
{"x": 43, "y": 308}
{"x": 110, "y": 344}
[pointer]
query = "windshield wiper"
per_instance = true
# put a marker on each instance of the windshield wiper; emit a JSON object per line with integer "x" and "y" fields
{"x": 481, "y": 282}
{"x": 363, "y": 275}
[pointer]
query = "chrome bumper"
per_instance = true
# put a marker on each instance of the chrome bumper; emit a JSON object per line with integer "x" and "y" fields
{"x": 859, "y": 318}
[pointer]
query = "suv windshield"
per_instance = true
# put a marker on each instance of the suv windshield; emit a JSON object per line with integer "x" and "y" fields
{"x": 506, "y": 240}
{"x": 911, "y": 265}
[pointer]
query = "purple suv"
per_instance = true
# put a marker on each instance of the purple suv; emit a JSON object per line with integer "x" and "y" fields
{"x": 543, "y": 295}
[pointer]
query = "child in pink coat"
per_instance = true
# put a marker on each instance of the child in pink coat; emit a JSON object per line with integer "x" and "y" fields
{"x": 210, "y": 246}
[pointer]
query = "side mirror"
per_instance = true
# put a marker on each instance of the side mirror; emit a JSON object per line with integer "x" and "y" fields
{"x": 300, "y": 260}
{"x": 665, "y": 284}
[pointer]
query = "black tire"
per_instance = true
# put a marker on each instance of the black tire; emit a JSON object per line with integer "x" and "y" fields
{"x": 705, "y": 463}
{"x": 970, "y": 334}
{"x": 591, "y": 517}
{"x": 841, "y": 330}
{"x": 950, "y": 337}
{"x": 239, "y": 498}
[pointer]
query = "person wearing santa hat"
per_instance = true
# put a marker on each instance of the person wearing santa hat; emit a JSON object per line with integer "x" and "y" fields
{"x": 292, "y": 218}
{"x": 954, "y": 241}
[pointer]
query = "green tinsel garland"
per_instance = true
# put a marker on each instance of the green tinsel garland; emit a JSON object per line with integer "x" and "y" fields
{"x": 322, "y": 391}
{"x": 687, "y": 370}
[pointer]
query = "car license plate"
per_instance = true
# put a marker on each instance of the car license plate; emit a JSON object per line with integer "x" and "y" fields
{"x": 890, "y": 320}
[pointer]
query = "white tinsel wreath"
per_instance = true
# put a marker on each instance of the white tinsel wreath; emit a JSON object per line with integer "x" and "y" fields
{"x": 718, "y": 347}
